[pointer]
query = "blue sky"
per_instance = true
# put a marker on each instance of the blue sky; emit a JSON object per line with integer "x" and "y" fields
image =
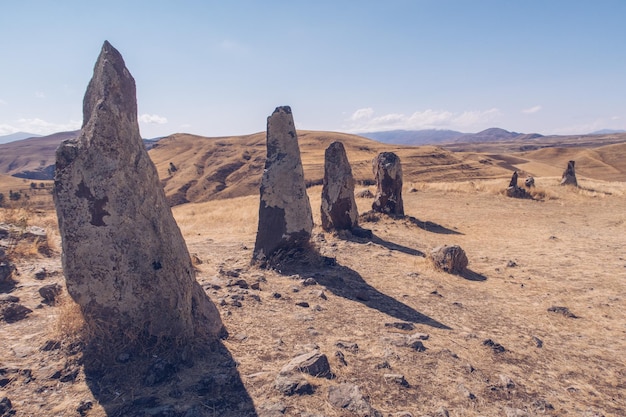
{"x": 218, "y": 68}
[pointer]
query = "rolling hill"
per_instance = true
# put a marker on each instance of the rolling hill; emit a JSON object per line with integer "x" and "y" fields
{"x": 197, "y": 169}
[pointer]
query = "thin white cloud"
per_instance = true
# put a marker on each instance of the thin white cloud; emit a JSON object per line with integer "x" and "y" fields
{"x": 364, "y": 120}
{"x": 40, "y": 94}
{"x": 2, "y": 102}
{"x": 361, "y": 114}
{"x": 532, "y": 110}
{"x": 152, "y": 119}
{"x": 38, "y": 126}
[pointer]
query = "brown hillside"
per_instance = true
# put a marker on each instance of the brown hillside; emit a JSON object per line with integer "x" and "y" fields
{"x": 207, "y": 169}
{"x": 32, "y": 155}
{"x": 606, "y": 163}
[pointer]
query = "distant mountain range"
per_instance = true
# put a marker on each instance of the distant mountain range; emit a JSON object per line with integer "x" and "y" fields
{"x": 433, "y": 136}
{"x": 607, "y": 131}
{"x": 17, "y": 136}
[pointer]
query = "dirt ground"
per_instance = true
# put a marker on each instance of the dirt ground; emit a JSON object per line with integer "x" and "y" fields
{"x": 491, "y": 345}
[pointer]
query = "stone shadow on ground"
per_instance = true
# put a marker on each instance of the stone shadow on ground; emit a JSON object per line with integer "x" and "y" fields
{"x": 431, "y": 226}
{"x": 470, "y": 275}
{"x": 426, "y": 225}
{"x": 348, "y": 283}
{"x": 208, "y": 386}
{"x": 384, "y": 243}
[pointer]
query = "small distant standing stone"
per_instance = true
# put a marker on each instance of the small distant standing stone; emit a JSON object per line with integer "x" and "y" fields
{"x": 569, "y": 175}
{"x": 513, "y": 190}
{"x": 388, "y": 175}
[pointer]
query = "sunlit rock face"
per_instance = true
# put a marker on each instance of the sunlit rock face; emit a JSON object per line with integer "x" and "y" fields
{"x": 124, "y": 258}
{"x": 285, "y": 218}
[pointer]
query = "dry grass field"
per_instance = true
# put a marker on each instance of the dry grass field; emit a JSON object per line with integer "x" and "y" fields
{"x": 564, "y": 249}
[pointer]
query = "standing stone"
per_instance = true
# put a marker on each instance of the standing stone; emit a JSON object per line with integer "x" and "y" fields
{"x": 285, "y": 217}
{"x": 124, "y": 258}
{"x": 339, "y": 211}
{"x": 569, "y": 175}
{"x": 513, "y": 190}
{"x": 388, "y": 176}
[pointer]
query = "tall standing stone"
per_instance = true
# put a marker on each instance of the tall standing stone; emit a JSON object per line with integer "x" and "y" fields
{"x": 124, "y": 258}
{"x": 388, "y": 176}
{"x": 339, "y": 210}
{"x": 285, "y": 217}
{"x": 569, "y": 175}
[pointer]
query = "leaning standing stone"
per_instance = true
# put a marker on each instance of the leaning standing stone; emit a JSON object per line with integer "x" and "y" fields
{"x": 339, "y": 211}
{"x": 569, "y": 175}
{"x": 388, "y": 176}
{"x": 124, "y": 258}
{"x": 285, "y": 217}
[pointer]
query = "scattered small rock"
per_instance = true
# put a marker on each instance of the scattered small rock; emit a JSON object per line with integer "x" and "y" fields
{"x": 511, "y": 264}
{"x": 341, "y": 358}
{"x": 50, "y": 292}
{"x": 41, "y": 274}
{"x": 276, "y": 295}
{"x": 241, "y": 283}
{"x": 562, "y": 310}
{"x": 256, "y": 286}
{"x": 313, "y": 363}
{"x": 15, "y": 312}
{"x": 349, "y": 397}
{"x": 349, "y": 346}
{"x": 6, "y": 271}
{"x": 83, "y": 407}
{"x": 401, "y": 325}
{"x": 309, "y": 281}
{"x": 364, "y": 193}
{"x": 396, "y": 379}
{"x": 321, "y": 295}
{"x": 538, "y": 342}
{"x": 6, "y": 408}
{"x": 290, "y": 384}
{"x": 302, "y": 304}
{"x": 506, "y": 382}
{"x": 272, "y": 409}
{"x": 496, "y": 347}
{"x": 8, "y": 298}
{"x": 466, "y": 392}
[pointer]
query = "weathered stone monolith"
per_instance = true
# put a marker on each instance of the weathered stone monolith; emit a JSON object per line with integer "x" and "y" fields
{"x": 285, "y": 217}
{"x": 124, "y": 258}
{"x": 569, "y": 175}
{"x": 513, "y": 190}
{"x": 339, "y": 210}
{"x": 388, "y": 176}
